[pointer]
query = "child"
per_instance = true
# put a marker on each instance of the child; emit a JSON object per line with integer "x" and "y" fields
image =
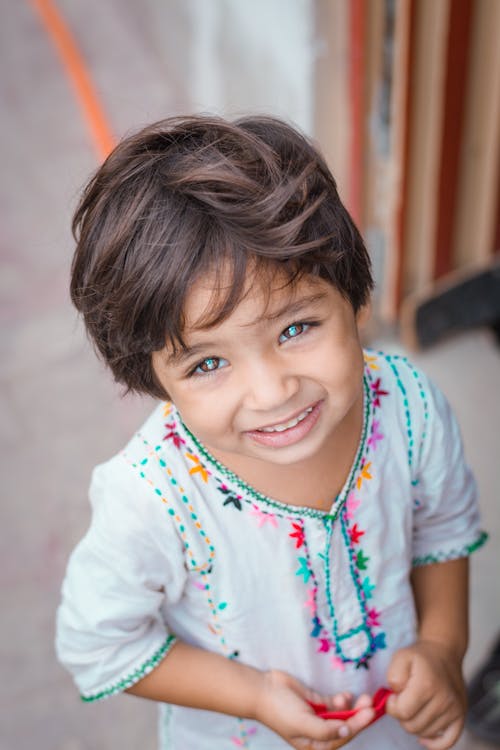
{"x": 291, "y": 524}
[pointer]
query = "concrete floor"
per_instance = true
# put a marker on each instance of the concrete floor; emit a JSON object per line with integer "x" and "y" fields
{"x": 61, "y": 414}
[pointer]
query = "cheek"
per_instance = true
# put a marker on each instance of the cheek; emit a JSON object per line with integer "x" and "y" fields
{"x": 205, "y": 415}
{"x": 341, "y": 364}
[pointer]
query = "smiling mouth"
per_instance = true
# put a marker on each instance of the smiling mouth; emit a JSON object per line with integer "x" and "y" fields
{"x": 282, "y": 426}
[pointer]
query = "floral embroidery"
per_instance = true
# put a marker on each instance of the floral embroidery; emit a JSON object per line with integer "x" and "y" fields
{"x": 373, "y": 617}
{"x": 263, "y": 517}
{"x": 364, "y": 474}
{"x": 376, "y": 436}
{"x": 298, "y": 534}
{"x": 231, "y": 497}
{"x": 304, "y": 569}
{"x": 371, "y": 361}
{"x": 173, "y": 435}
{"x": 352, "y": 504}
{"x": 198, "y": 467}
{"x": 377, "y": 390}
{"x": 355, "y": 534}
{"x": 311, "y": 602}
{"x": 361, "y": 560}
{"x": 337, "y": 663}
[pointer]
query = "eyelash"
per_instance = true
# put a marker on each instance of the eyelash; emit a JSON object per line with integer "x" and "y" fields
{"x": 306, "y": 324}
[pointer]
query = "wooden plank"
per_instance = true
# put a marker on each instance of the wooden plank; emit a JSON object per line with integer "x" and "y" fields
{"x": 425, "y": 133}
{"x": 332, "y": 116}
{"x": 388, "y": 50}
{"x": 476, "y": 215}
{"x": 454, "y": 110}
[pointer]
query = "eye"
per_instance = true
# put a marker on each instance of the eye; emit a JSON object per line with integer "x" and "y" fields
{"x": 209, "y": 365}
{"x": 296, "y": 329}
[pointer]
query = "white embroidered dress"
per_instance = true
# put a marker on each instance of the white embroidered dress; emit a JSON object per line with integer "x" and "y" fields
{"x": 180, "y": 547}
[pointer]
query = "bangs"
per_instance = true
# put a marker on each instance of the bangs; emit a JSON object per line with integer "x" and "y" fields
{"x": 235, "y": 277}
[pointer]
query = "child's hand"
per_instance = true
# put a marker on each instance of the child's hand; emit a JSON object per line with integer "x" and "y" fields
{"x": 429, "y": 698}
{"x": 283, "y": 707}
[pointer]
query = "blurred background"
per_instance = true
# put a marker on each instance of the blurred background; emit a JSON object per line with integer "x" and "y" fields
{"x": 403, "y": 97}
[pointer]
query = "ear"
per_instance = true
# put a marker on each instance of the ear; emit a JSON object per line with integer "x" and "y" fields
{"x": 363, "y": 315}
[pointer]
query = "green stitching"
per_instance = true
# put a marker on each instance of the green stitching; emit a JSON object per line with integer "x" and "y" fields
{"x": 136, "y": 675}
{"x": 453, "y": 554}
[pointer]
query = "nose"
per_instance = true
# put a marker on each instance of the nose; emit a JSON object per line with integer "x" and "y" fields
{"x": 269, "y": 384}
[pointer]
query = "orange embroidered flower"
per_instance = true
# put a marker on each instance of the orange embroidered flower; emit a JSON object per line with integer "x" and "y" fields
{"x": 198, "y": 467}
{"x": 365, "y": 474}
{"x": 370, "y": 361}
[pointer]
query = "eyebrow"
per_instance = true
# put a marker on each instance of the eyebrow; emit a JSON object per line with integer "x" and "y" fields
{"x": 292, "y": 308}
{"x": 288, "y": 309}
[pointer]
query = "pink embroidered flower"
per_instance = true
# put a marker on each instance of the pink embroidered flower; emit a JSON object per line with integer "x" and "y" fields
{"x": 298, "y": 535}
{"x": 324, "y": 646}
{"x": 378, "y": 392}
{"x": 351, "y": 505}
{"x": 337, "y": 663}
{"x": 376, "y": 435}
{"x": 263, "y": 518}
{"x": 311, "y": 602}
{"x": 373, "y": 619}
{"x": 173, "y": 435}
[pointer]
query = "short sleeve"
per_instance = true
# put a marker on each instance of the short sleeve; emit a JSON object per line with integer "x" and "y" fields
{"x": 446, "y": 522}
{"x": 110, "y": 628}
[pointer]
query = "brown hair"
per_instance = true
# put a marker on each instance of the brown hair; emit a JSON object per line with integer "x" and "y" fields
{"x": 190, "y": 194}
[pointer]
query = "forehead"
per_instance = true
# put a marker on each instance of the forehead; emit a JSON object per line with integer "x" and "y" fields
{"x": 264, "y": 296}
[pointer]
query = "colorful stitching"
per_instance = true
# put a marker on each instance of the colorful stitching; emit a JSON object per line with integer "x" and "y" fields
{"x": 136, "y": 675}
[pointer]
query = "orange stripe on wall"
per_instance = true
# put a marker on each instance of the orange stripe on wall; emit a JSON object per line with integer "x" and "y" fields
{"x": 78, "y": 75}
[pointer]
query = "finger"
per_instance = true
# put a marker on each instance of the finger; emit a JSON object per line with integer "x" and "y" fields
{"x": 342, "y": 700}
{"x": 434, "y": 716}
{"x": 359, "y": 721}
{"x": 445, "y": 739}
{"x": 399, "y": 670}
{"x": 323, "y": 730}
{"x": 364, "y": 701}
{"x": 428, "y": 719}
{"x": 439, "y": 724}
{"x": 407, "y": 707}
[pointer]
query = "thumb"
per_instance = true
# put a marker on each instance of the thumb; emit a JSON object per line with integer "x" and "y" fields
{"x": 398, "y": 675}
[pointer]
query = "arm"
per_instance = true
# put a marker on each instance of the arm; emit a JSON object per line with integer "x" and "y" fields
{"x": 197, "y": 678}
{"x": 441, "y": 592}
{"x": 193, "y": 677}
{"x": 427, "y": 677}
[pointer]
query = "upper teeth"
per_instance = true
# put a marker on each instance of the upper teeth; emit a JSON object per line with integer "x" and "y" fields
{"x": 286, "y": 425}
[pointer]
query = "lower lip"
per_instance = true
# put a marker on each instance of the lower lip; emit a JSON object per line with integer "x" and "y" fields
{"x": 290, "y": 436}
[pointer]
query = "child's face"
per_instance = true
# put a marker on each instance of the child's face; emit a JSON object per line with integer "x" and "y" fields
{"x": 273, "y": 381}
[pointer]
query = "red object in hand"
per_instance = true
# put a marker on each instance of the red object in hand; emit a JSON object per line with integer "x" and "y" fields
{"x": 379, "y": 701}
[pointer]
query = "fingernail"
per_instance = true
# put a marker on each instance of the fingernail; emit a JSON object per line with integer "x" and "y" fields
{"x": 344, "y": 731}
